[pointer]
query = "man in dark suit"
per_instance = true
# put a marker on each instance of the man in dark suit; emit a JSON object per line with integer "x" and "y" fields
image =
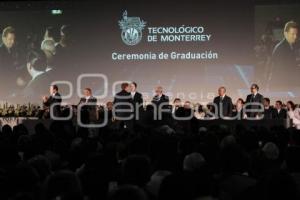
{"x": 137, "y": 98}
{"x": 279, "y": 112}
{"x": 8, "y": 54}
{"x": 177, "y": 108}
{"x": 160, "y": 98}
{"x": 8, "y": 59}
{"x": 223, "y": 103}
{"x": 88, "y": 107}
{"x": 254, "y": 101}
{"x": 268, "y": 109}
{"x": 41, "y": 77}
{"x": 52, "y": 102}
{"x": 161, "y": 101}
{"x": 123, "y": 107}
{"x": 284, "y": 59}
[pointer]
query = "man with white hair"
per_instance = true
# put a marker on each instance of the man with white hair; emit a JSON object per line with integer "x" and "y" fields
{"x": 159, "y": 97}
{"x": 223, "y": 103}
{"x": 161, "y": 102}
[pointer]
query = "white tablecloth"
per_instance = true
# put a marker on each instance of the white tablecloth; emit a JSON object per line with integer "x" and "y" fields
{"x": 13, "y": 121}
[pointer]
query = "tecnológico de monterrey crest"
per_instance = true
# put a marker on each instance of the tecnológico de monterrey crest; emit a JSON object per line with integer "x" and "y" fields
{"x": 131, "y": 29}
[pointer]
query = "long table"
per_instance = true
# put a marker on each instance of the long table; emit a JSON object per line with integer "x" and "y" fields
{"x": 30, "y": 122}
{"x": 268, "y": 123}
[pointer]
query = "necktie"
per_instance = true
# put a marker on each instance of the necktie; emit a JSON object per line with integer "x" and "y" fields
{"x": 252, "y": 98}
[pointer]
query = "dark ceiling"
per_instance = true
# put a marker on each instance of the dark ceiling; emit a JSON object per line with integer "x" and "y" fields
{"x": 36, "y": 4}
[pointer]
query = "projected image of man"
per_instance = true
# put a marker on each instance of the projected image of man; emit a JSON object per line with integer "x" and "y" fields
{"x": 41, "y": 77}
{"x": 8, "y": 54}
{"x": 285, "y": 71}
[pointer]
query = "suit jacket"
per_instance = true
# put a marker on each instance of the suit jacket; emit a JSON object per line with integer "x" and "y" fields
{"x": 137, "y": 101}
{"x": 92, "y": 102}
{"x": 225, "y": 104}
{"x": 125, "y": 98}
{"x": 268, "y": 113}
{"x": 88, "y": 112}
{"x": 51, "y": 100}
{"x": 163, "y": 99}
{"x": 37, "y": 87}
{"x": 258, "y": 98}
{"x": 8, "y": 60}
{"x": 239, "y": 114}
{"x": 284, "y": 63}
{"x": 8, "y": 69}
{"x": 137, "y": 98}
{"x": 282, "y": 114}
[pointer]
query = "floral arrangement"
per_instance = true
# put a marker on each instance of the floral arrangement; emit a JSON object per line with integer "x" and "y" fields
{"x": 12, "y": 110}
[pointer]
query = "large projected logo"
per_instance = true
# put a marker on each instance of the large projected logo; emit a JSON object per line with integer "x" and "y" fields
{"x": 131, "y": 29}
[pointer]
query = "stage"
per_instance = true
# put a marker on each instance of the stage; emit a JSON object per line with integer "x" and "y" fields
{"x": 30, "y": 123}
